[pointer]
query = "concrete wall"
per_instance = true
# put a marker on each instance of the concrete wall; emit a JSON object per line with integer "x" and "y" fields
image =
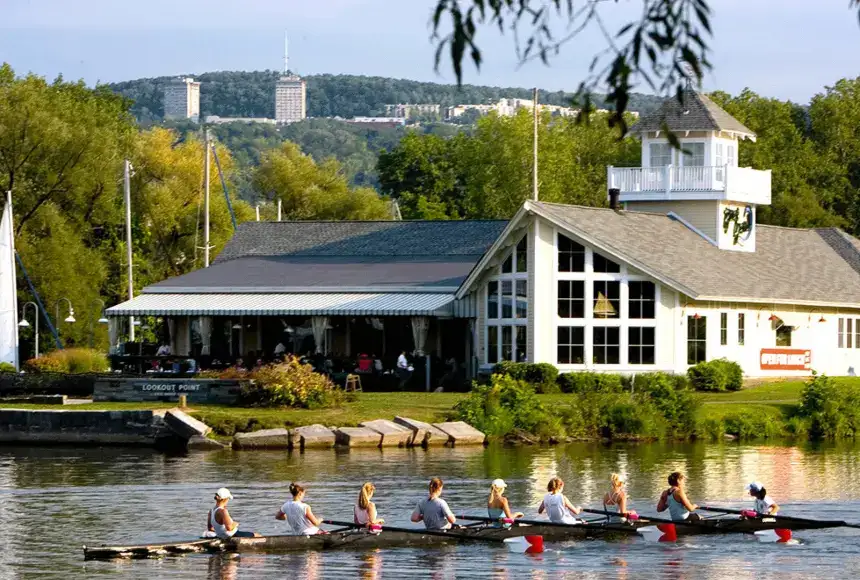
{"x": 93, "y": 427}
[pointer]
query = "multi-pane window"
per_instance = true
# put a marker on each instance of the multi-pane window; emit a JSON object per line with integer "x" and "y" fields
{"x": 661, "y": 154}
{"x": 696, "y": 339}
{"x": 571, "y": 345}
{"x": 508, "y": 265}
{"x": 522, "y": 299}
{"x": 607, "y": 299}
{"x": 571, "y": 256}
{"x": 742, "y": 328}
{"x": 693, "y": 154}
{"x": 521, "y": 343}
{"x": 507, "y": 342}
{"x": 640, "y": 345}
{"x": 492, "y": 344}
{"x": 848, "y": 332}
{"x": 641, "y": 299}
{"x": 730, "y": 156}
{"x": 783, "y": 335}
{"x": 507, "y": 299}
{"x": 718, "y": 160}
{"x": 606, "y": 345}
{"x": 522, "y": 255}
{"x": 724, "y": 328}
{"x": 507, "y": 307}
{"x": 571, "y": 299}
{"x": 847, "y": 338}
{"x": 493, "y": 299}
{"x": 603, "y": 265}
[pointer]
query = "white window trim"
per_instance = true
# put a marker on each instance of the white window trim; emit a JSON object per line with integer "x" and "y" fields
{"x": 589, "y": 322}
{"x": 516, "y": 323}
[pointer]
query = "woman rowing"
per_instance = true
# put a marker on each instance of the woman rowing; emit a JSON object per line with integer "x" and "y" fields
{"x": 497, "y": 504}
{"x": 764, "y": 505}
{"x": 364, "y": 511}
{"x": 615, "y": 500}
{"x": 219, "y": 524}
{"x": 557, "y": 506}
{"x": 433, "y": 510}
{"x": 675, "y": 500}
{"x": 300, "y": 519}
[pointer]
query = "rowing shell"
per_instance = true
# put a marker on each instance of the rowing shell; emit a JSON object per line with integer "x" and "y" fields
{"x": 363, "y": 540}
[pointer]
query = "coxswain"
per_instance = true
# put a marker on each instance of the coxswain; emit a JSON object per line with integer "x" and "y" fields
{"x": 764, "y": 505}
{"x": 364, "y": 511}
{"x": 300, "y": 519}
{"x": 557, "y": 506}
{"x": 219, "y": 524}
{"x": 497, "y": 504}
{"x": 615, "y": 500}
{"x": 675, "y": 500}
{"x": 433, "y": 510}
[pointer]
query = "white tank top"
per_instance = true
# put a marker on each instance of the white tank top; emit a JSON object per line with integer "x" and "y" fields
{"x": 554, "y": 504}
{"x": 676, "y": 508}
{"x": 361, "y": 516}
{"x": 221, "y": 530}
{"x": 297, "y": 519}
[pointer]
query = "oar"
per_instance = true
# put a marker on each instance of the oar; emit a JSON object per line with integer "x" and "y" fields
{"x": 421, "y": 531}
{"x": 787, "y": 519}
{"x": 525, "y": 522}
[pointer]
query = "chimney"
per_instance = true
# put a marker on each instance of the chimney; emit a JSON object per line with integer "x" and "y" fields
{"x": 613, "y": 198}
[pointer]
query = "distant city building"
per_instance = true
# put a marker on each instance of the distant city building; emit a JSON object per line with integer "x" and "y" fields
{"x": 182, "y": 99}
{"x": 376, "y": 121}
{"x": 407, "y": 110}
{"x": 290, "y": 99}
{"x": 509, "y": 108}
{"x": 216, "y": 120}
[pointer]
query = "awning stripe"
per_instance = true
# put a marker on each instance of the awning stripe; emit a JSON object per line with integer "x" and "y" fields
{"x": 381, "y": 304}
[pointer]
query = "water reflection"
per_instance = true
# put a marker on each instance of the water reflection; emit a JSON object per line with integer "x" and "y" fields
{"x": 50, "y": 498}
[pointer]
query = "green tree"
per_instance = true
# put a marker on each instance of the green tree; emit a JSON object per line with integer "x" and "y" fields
{"x": 311, "y": 191}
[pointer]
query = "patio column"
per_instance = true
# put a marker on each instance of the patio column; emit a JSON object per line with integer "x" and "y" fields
{"x": 171, "y": 330}
{"x": 113, "y": 334}
{"x": 182, "y": 325}
{"x": 206, "y": 335}
{"x": 348, "y": 338}
{"x": 420, "y": 324}
{"x": 319, "y": 325}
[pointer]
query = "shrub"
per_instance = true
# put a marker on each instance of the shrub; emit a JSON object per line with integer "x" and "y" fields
{"x": 673, "y": 398}
{"x": 716, "y": 375}
{"x": 633, "y": 418}
{"x": 288, "y": 384}
{"x": 506, "y": 404}
{"x": 590, "y": 382}
{"x": 542, "y": 376}
{"x": 7, "y": 367}
{"x": 72, "y": 361}
{"x": 826, "y": 411}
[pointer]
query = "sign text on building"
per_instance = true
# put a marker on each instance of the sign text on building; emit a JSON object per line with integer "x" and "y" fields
{"x": 785, "y": 359}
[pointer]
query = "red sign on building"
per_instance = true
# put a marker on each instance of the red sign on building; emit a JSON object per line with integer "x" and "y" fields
{"x": 785, "y": 359}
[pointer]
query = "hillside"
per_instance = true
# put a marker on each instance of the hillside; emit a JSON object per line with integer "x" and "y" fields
{"x": 251, "y": 94}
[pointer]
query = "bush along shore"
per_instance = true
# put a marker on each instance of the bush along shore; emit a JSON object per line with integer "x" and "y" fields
{"x": 648, "y": 406}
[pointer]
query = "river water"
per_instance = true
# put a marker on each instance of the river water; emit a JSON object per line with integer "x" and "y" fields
{"x": 53, "y": 500}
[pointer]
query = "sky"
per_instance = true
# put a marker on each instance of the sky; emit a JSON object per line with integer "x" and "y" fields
{"x": 790, "y": 49}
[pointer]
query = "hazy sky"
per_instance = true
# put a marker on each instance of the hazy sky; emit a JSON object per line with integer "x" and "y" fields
{"x": 782, "y": 48}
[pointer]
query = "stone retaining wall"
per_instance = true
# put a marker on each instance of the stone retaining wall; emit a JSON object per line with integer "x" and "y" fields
{"x": 85, "y": 427}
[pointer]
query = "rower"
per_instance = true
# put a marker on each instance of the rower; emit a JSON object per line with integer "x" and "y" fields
{"x": 764, "y": 505}
{"x": 364, "y": 511}
{"x": 557, "y": 506}
{"x": 433, "y": 510}
{"x": 675, "y": 500}
{"x": 615, "y": 500}
{"x": 497, "y": 504}
{"x": 219, "y": 524}
{"x": 300, "y": 519}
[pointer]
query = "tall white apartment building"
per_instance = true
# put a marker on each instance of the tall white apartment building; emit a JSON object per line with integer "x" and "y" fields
{"x": 290, "y": 99}
{"x": 182, "y": 99}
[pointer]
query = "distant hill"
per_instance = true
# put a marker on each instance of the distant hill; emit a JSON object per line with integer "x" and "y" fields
{"x": 251, "y": 94}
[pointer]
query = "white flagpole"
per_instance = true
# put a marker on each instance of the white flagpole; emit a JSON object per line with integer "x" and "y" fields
{"x": 8, "y": 288}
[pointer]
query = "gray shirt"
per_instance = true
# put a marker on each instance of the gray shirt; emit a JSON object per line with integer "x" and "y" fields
{"x": 436, "y": 513}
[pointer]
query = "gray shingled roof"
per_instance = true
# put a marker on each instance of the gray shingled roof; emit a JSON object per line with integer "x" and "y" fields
{"x": 697, "y": 113}
{"x": 285, "y": 273}
{"x": 363, "y": 238}
{"x": 803, "y": 265}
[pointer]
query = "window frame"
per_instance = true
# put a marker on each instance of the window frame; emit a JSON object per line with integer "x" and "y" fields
{"x": 742, "y": 328}
{"x": 700, "y": 322}
{"x": 724, "y": 328}
{"x": 512, "y": 312}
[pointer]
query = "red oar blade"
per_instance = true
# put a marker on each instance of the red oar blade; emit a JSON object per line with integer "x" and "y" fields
{"x": 778, "y": 536}
{"x": 659, "y": 533}
{"x": 525, "y": 544}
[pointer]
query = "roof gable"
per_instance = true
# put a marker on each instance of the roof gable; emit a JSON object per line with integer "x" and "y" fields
{"x": 697, "y": 112}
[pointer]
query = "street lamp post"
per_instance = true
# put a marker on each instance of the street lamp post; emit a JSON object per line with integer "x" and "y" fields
{"x": 70, "y": 318}
{"x": 25, "y": 324}
{"x": 102, "y": 320}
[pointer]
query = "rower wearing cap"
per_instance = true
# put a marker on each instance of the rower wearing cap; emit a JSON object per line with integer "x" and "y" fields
{"x": 433, "y": 510}
{"x": 675, "y": 500}
{"x": 764, "y": 504}
{"x": 219, "y": 524}
{"x": 557, "y": 506}
{"x": 298, "y": 515}
{"x": 497, "y": 504}
{"x": 615, "y": 500}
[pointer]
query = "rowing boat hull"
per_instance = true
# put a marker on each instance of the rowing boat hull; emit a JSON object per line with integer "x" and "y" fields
{"x": 363, "y": 540}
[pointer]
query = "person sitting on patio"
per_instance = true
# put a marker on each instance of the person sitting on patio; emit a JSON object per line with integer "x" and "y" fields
{"x": 240, "y": 364}
{"x": 163, "y": 350}
{"x": 365, "y": 363}
{"x": 280, "y": 349}
{"x": 377, "y": 365}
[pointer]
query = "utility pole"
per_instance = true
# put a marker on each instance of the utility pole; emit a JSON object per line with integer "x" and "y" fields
{"x": 206, "y": 201}
{"x": 535, "y": 148}
{"x": 127, "y": 194}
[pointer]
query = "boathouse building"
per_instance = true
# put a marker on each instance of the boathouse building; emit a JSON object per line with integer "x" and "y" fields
{"x": 676, "y": 271}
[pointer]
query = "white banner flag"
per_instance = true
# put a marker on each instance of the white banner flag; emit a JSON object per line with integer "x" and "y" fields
{"x": 8, "y": 288}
